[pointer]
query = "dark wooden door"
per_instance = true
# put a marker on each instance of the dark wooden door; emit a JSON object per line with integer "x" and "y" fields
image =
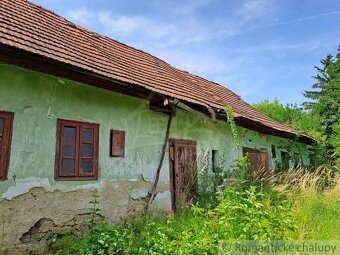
{"x": 183, "y": 172}
{"x": 258, "y": 159}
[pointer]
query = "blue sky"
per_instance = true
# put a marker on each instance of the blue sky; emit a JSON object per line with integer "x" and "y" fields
{"x": 260, "y": 49}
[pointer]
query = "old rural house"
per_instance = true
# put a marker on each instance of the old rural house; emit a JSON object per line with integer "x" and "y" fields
{"x": 80, "y": 111}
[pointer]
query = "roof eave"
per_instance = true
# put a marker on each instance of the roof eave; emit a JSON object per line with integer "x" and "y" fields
{"x": 22, "y": 58}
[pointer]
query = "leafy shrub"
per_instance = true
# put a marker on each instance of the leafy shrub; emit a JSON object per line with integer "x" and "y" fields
{"x": 249, "y": 215}
{"x": 240, "y": 215}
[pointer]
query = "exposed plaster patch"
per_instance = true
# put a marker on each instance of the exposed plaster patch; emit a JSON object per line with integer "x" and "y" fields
{"x": 23, "y": 186}
{"x": 161, "y": 201}
{"x": 50, "y": 208}
{"x": 38, "y": 231}
{"x": 50, "y": 101}
{"x": 141, "y": 178}
{"x": 162, "y": 196}
{"x": 138, "y": 193}
{"x": 26, "y": 108}
{"x": 49, "y": 115}
{"x": 64, "y": 188}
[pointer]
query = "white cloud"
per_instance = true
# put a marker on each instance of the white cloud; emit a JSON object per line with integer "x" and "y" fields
{"x": 80, "y": 16}
{"x": 121, "y": 24}
{"x": 194, "y": 62}
{"x": 153, "y": 32}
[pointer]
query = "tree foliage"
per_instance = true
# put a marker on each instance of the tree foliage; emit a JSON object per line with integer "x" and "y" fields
{"x": 290, "y": 114}
{"x": 320, "y": 116}
{"x": 326, "y": 102}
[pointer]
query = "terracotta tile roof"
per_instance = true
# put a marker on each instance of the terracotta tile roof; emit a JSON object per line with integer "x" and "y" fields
{"x": 31, "y": 28}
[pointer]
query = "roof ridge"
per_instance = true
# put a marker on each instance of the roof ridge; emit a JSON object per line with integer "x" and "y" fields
{"x": 72, "y": 44}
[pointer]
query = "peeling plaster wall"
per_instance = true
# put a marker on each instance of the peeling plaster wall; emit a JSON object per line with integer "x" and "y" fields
{"x": 255, "y": 140}
{"x": 29, "y": 219}
{"x": 31, "y": 197}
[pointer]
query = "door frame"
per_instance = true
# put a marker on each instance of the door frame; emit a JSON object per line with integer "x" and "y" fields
{"x": 172, "y": 142}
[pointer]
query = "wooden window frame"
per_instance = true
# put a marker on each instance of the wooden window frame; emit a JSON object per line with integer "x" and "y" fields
{"x": 78, "y": 175}
{"x": 5, "y": 150}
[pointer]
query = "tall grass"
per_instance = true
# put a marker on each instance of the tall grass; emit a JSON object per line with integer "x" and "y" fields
{"x": 318, "y": 213}
{"x": 315, "y": 198}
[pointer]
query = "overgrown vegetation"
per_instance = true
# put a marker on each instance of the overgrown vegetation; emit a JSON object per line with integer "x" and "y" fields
{"x": 298, "y": 204}
{"x": 315, "y": 198}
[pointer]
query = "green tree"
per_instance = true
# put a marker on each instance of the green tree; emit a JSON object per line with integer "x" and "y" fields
{"x": 321, "y": 84}
{"x": 325, "y": 101}
{"x": 305, "y": 121}
{"x": 289, "y": 114}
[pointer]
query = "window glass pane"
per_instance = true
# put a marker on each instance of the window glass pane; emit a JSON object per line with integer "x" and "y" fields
{"x": 87, "y": 135}
{"x": 86, "y": 165}
{"x": 2, "y": 124}
{"x": 67, "y": 166}
{"x": 87, "y": 150}
{"x": 69, "y": 150}
{"x": 69, "y": 134}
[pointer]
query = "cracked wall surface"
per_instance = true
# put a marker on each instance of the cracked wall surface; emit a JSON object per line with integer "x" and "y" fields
{"x": 32, "y": 201}
{"x": 29, "y": 219}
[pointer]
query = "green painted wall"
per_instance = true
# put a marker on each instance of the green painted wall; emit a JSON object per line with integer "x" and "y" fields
{"x": 252, "y": 139}
{"x": 38, "y": 100}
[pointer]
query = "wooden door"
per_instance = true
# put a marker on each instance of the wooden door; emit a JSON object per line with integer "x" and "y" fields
{"x": 258, "y": 159}
{"x": 183, "y": 175}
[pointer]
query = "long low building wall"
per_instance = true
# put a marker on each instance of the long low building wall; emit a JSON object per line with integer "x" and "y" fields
{"x": 34, "y": 201}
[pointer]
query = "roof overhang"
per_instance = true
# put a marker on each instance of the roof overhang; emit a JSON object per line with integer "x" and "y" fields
{"x": 28, "y": 60}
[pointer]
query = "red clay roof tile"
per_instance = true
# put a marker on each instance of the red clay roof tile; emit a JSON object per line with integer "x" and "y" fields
{"x": 28, "y": 27}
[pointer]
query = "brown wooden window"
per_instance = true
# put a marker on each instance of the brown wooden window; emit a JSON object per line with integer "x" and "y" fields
{"x": 6, "y": 127}
{"x": 117, "y": 143}
{"x": 77, "y": 150}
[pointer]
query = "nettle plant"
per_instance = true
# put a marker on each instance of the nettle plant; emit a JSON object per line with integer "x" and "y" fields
{"x": 250, "y": 215}
{"x": 211, "y": 182}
